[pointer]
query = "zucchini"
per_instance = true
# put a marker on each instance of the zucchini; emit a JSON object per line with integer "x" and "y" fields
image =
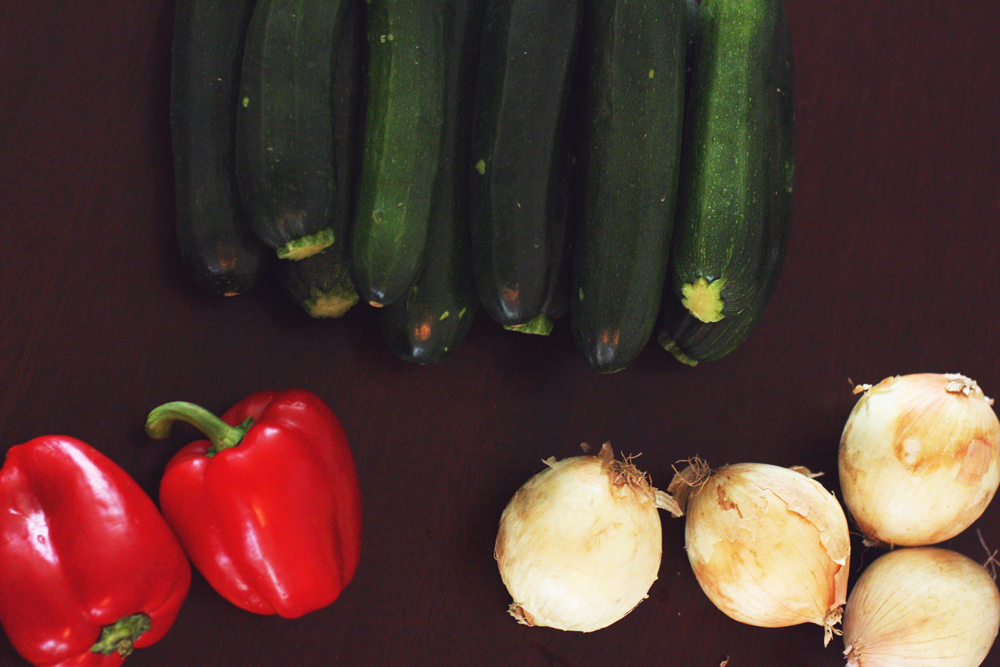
{"x": 690, "y": 51}
{"x": 428, "y": 324}
{"x": 738, "y": 169}
{"x": 216, "y": 244}
{"x": 556, "y": 299}
{"x": 284, "y": 134}
{"x": 403, "y": 128}
{"x": 519, "y": 187}
{"x": 633, "y": 106}
{"x": 322, "y": 283}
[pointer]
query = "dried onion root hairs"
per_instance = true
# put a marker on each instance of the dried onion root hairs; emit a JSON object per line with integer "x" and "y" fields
{"x": 579, "y": 544}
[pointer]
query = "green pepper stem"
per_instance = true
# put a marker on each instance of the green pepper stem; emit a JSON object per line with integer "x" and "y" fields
{"x": 218, "y": 432}
{"x": 119, "y": 637}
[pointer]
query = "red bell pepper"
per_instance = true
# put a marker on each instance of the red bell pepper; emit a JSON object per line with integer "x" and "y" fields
{"x": 268, "y": 508}
{"x": 89, "y": 569}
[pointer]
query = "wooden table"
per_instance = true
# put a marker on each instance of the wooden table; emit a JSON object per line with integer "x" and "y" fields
{"x": 891, "y": 269}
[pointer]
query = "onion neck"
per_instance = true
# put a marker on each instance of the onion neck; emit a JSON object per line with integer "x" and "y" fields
{"x": 667, "y": 502}
{"x": 830, "y": 626}
{"x": 852, "y": 657}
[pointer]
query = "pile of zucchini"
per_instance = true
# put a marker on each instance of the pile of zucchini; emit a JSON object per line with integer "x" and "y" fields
{"x": 628, "y": 164}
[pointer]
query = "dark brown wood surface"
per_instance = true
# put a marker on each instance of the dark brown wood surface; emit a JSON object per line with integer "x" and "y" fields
{"x": 892, "y": 269}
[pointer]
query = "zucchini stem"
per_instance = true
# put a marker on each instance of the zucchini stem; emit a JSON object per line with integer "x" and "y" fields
{"x": 540, "y": 325}
{"x": 307, "y": 246}
{"x": 703, "y": 299}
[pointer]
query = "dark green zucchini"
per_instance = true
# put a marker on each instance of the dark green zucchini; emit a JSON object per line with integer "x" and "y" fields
{"x": 284, "y": 135}
{"x": 519, "y": 186}
{"x": 428, "y": 324}
{"x": 633, "y": 107}
{"x": 322, "y": 283}
{"x": 691, "y": 29}
{"x": 402, "y": 142}
{"x": 216, "y": 244}
{"x": 556, "y": 300}
{"x": 736, "y": 199}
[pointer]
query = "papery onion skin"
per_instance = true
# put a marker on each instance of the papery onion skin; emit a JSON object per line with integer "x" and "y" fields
{"x": 580, "y": 543}
{"x": 919, "y": 458}
{"x": 769, "y": 546}
{"x": 921, "y": 607}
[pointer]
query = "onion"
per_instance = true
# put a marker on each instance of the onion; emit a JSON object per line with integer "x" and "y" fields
{"x": 919, "y": 458}
{"x": 921, "y": 607}
{"x": 769, "y": 545}
{"x": 579, "y": 544}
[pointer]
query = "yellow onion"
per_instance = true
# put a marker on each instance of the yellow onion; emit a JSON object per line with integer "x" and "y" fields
{"x": 921, "y": 607}
{"x": 919, "y": 458}
{"x": 579, "y": 544}
{"x": 769, "y": 545}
